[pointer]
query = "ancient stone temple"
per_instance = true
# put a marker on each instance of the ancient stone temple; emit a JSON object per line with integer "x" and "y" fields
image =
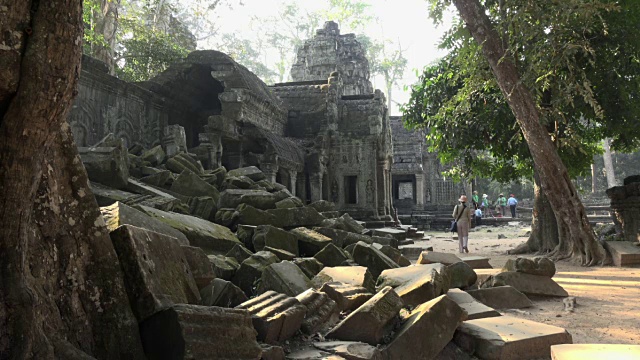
{"x": 326, "y": 135}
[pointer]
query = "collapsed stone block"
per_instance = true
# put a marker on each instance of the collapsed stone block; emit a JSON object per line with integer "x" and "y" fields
{"x": 120, "y": 214}
{"x": 296, "y": 217}
{"x": 432, "y": 257}
{"x": 309, "y": 266}
{"x": 595, "y": 351}
{"x": 156, "y": 271}
{"x": 199, "y": 264}
{"x": 200, "y": 232}
{"x": 245, "y": 235}
{"x": 222, "y": 293}
{"x": 238, "y": 182}
{"x": 474, "y": 308}
{"x": 259, "y": 199}
{"x": 452, "y": 352}
{"x": 332, "y": 255}
{"x": 426, "y": 331}
{"x": 415, "y": 284}
{"x": 227, "y": 218}
{"x": 203, "y": 207}
{"x": 309, "y": 241}
{"x": 386, "y": 240}
{"x": 372, "y": 321}
{"x": 541, "y": 266}
{"x": 106, "y": 165}
{"x": 275, "y": 316}
{"x": 154, "y": 156}
{"x": 272, "y": 352}
{"x": 248, "y": 215}
{"x": 199, "y": 332}
{"x": 323, "y": 205}
{"x": 190, "y": 184}
{"x": 251, "y": 172}
{"x": 507, "y": 337}
{"x": 337, "y": 236}
{"x": 367, "y": 255}
{"x": 158, "y": 179}
{"x": 281, "y": 254}
{"x": 461, "y": 275}
{"x": 223, "y": 267}
{"x": 347, "y": 297}
{"x": 284, "y": 277}
{"x": 251, "y": 270}
{"x": 477, "y": 262}
{"x": 352, "y": 275}
{"x": 271, "y": 236}
{"x": 352, "y": 350}
{"x": 398, "y": 234}
{"x": 501, "y": 297}
{"x": 322, "y": 312}
{"x": 288, "y": 203}
{"x": 182, "y": 162}
{"x": 393, "y": 254}
{"x": 527, "y": 284}
{"x": 239, "y": 252}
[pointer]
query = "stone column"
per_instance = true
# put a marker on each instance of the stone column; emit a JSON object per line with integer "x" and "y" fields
{"x": 174, "y": 140}
{"x": 420, "y": 189}
{"x": 316, "y": 187}
{"x": 270, "y": 171}
{"x": 293, "y": 177}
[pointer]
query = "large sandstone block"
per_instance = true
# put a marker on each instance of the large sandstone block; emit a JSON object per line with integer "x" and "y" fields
{"x": 352, "y": 350}
{"x": 275, "y": 316}
{"x": 239, "y": 252}
{"x": 332, "y": 255}
{"x": 323, "y": 205}
{"x": 537, "y": 266}
{"x": 347, "y": 297}
{"x": 309, "y": 266}
{"x": 309, "y": 241}
{"x": 156, "y": 271}
{"x": 595, "y": 352}
{"x": 120, "y": 214}
{"x": 190, "y": 184}
{"x": 199, "y": 264}
{"x": 284, "y": 277}
{"x": 182, "y": 162}
{"x": 199, "y": 332}
{"x": 251, "y": 269}
{"x": 416, "y": 284}
{"x": 527, "y": 284}
{"x": 154, "y": 156}
{"x": 398, "y": 234}
{"x": 352, "y": 275}
{"x": 322, "y": 312}
{"x": 393, "y": 254}
{"x": 205, "y": 234}
{"x": 248, "y": 215}
{"x": 222, "y": 293}
{"x": 106, "y": 165}
{"x": 461, "y": 275}
{"x": 426, "y": 331}
{"x": 474, "y": 308}
{"x": 501, "y": 297}
{"x": 245, "y": 235}
{"x": 432, "y": 257}
{"x": 296, "y": 217}
{"x": 271, "y": 236}
{"x": 223, "y": 267}
{"x": 507, "y": 337}
{"x": 372, "y": 321}
{"x": 251, "y": 172}
{"x": 367, "y": 255}
{"x": 477, "y": 262}
{"x": 259, "y": 199}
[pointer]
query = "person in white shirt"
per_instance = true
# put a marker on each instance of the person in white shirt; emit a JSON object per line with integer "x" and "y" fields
{"x": 512, "y": 202}
{"x": 478, "y": 217}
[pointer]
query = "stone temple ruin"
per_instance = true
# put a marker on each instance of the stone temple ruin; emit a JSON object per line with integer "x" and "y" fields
{"x": 326, "y": 135}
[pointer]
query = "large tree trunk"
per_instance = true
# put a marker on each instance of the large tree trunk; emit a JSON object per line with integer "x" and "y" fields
{"x": 577, "y": 240}
{"x": 61, "y": 286}
{"x": 106, "y": 24}
{"x": 608, "y": 164}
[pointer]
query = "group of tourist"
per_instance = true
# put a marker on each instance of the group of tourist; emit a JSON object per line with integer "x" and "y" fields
{"x": 464, "y": 214}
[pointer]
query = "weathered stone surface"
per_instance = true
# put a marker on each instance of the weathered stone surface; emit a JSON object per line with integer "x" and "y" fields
{"x": 251, "y": 270}
{"x": 344, "y": 222}
{"x": 154, "y": 156}
{"x": 338, "y": 237}
{"x": 190, "y": 184}
{"x": 156, "y": 272}
{"x": 474, "y": 308}
{"x": 227, "y": 218}
{"x": 281, "y": 254}
{"x": 507, "y": 337}
{"x": 323, "y": 205}
{"x": 416, "y": 284}
{"x": 527, "y": 284}
{"x": 461, "y": 275}
{"x": 288, "y": 203}
{"x": 199, "y": 264}
{"x": 398, "y": 234}
{"x": 452, "y": 352}
{"x": 330, "y": 214}
{"x": 372, "y": 321}
{"x": 413, "y": 252}
{"x": 248, "y": 215}
{"x": 393, "y": 254}
{"x": 310, "y": 353}
{"x": 203, "y": 207}
{"x": 284, "y": 277}
{"x": 625, "y": 253}
{"x": 537, "y": 266}
{"x": 182, "y": 162}
{"x": 120, "y": 214}
{"x": 238, "y": 182}
{"x": 251, "y": 172}
{"x": 272, "y": 352}
{"x": 352, "y": 275}
{"x": 332, "y": 255}
{"x": 367, "y": 255}
{"x": 427, "y": 331}
{"x": 501, "y": 297}
{"x": 106, "y": 196}
{"x": 309, "y": 241}
{"x": 322, "y": 312}
{"x": 351, "y": 350}
{"x": 158, "y": 179}
{"x": 199, "y": 332}
{"x": 309, "y": 266}
{"x": 259, "y": 199}
{"x": 347, "y": 297}
{"x": 392, "y": 242}
{"x": 296, "y": 217}
{"x": 222, "y": 293}
{"x": 106, "y": 165}
{"x": 432, "y": 257}
{"x": 267, "y": 235}
{"x": 477, "y": 262}
{"x": 239, "y": 252}
{"x": 275, "y": 316}
{"x": 353, "y": 238}
{"x": 484, "y": 274}
{"x": 595, "y": 352}
{"x": 202, "y": 233}
{"x": 245, "y": 235}
{"x": 223, "y": 267}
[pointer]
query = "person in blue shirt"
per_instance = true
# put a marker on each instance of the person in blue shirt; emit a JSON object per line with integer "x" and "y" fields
{"x": 478, "y": 217}
{"x": 512, "y": 202}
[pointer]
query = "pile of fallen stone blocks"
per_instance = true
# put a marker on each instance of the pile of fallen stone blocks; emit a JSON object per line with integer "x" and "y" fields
{"x": 225, "y": 265}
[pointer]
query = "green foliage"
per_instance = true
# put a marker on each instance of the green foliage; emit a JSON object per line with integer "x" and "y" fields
{"x": 563, "y": 51}
{"x": 91, "y": 38}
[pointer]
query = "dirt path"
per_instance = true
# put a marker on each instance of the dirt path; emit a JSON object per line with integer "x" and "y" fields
{"x": 608, "y": 298}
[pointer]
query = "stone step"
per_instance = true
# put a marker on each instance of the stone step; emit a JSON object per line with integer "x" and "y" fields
{"x": 595, "y": 352}
{"x": 624, "y": 253}
{"x": 508, "y": 338}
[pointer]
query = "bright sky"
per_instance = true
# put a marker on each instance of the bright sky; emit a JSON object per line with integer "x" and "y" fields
{"x": 403, "y": 20}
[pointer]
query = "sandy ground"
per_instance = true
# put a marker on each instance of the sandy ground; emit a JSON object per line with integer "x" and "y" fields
{"x": 608, "y": 298}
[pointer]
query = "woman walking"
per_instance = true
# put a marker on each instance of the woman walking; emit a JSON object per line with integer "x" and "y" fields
{"x": 462, "y": 214}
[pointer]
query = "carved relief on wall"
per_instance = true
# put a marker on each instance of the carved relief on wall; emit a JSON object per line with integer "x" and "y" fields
{"x": 124, "y": 130}
{"x": 369, "y": 190}
{"x": 81, "y": 119}
{"x": 334, "y": 191}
